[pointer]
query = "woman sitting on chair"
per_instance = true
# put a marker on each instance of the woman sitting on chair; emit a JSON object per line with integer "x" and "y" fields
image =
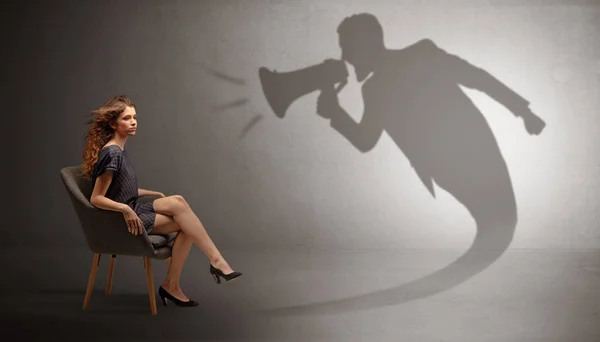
{"x": 107, "y": 163}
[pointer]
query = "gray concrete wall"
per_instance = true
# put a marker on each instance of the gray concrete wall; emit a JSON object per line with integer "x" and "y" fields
{"x": 261, "y": 182}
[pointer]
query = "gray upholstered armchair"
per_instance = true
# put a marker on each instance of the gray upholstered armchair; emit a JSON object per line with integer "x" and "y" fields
{"x": 106, "y": 233}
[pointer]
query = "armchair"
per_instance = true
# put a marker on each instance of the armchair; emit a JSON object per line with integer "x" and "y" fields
{"x": 106, "y": 233}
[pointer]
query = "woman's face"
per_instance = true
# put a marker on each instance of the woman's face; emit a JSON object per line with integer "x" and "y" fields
{"x": 126, "y": 123}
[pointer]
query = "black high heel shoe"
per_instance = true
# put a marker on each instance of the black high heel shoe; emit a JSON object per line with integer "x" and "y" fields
{"x": 164, "y": 295}
{"x": 218, "y": 274}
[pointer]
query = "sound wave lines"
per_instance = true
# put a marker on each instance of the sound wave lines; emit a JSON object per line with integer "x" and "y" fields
{"x": 234, "y": 103}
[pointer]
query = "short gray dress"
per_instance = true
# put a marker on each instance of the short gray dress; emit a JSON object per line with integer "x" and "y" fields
{"x": 124, "y": 187}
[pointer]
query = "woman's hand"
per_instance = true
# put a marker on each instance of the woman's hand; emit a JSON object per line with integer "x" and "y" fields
{"x": 134, "y": 225}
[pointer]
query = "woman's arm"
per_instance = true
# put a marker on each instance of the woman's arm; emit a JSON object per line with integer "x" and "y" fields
{"x": 144, "y": 192}
{"x": 99, "y": 200}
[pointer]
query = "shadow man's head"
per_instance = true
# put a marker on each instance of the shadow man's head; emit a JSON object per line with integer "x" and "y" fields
{"x": 361, "y": 41}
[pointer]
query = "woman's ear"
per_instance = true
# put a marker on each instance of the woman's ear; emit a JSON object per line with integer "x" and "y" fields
{"x": 113, "y": 123}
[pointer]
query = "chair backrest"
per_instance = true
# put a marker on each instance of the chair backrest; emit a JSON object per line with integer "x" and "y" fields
{"x": 105, "y": 231}
{"x": 77, "y": 185}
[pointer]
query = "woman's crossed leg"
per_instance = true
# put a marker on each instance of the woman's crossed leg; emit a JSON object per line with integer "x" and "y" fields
{"x": 173, "y": 214}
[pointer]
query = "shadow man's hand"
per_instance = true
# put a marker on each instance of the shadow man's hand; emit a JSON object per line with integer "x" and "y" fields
{"x": 533, "y": 123}
{"x": 327, "y": 103}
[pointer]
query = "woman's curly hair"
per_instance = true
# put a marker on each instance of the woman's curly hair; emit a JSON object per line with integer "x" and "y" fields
{"x": 100, "y": 130}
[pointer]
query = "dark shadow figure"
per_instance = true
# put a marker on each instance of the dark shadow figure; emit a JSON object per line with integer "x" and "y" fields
{"x": 414, "y": 95}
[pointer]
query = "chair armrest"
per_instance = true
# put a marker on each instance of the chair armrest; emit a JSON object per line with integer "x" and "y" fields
{"x": 106, "y": 233}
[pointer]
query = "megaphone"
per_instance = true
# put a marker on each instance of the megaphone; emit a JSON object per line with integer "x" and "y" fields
{"x": 281, "y": 89}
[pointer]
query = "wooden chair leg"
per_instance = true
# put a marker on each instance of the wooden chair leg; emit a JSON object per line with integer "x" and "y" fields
{"x": 91, "y": 280}
{"x": 150, "y": 279}
{"x": 111, "y": 271}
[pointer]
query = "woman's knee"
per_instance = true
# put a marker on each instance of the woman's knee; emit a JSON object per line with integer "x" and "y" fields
{"x": 171, "y": 205}
{"x": 179, "y": 203}
{"x": 178, "y": 198}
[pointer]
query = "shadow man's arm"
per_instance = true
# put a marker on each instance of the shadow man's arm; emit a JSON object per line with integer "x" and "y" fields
{"x": 474, "y": 77}
{"x": 363, "y": 135}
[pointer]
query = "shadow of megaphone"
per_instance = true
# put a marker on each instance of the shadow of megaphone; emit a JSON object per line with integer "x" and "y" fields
{"x": 281, "y": 89}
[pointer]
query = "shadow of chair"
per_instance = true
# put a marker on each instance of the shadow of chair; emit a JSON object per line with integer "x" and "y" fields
{"x": 106, "y": 234}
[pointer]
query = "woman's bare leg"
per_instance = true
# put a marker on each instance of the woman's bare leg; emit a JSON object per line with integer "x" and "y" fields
{"x": 176, "y": 207}
{"x": 181, "y": 248}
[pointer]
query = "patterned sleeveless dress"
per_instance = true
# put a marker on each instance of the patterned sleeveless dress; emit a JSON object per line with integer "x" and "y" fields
{"x": 124, "y": 187}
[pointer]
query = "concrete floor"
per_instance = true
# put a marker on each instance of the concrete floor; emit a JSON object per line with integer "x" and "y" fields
{"x": 300, "y": 295}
